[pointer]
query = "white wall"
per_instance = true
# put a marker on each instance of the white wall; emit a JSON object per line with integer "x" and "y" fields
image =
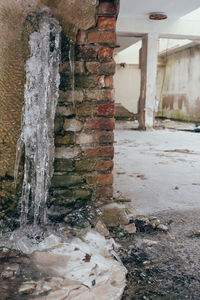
{"x": 127, "y": 86}
{"x": 178, "y": 85}
{"x": 181, "y": 88}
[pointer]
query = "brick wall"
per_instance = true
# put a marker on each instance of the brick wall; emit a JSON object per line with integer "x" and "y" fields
{"x": 84, "y": 122}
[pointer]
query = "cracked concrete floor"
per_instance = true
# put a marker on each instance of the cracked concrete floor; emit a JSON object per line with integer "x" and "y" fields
{"x": 157, "y": 170}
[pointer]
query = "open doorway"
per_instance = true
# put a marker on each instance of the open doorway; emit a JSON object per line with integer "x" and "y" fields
{"x": 150, "y": 166}
{"x": 156, "y": 175}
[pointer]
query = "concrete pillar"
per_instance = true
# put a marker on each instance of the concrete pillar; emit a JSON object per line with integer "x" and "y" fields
{"x": 148, "y": 65}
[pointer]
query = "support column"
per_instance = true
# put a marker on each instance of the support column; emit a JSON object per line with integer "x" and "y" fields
{"x": 148, "y": 65}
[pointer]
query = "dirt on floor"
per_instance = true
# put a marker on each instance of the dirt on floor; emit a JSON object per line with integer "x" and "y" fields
{"x": 162, "y": 259}
{"x": 163, "y": 265}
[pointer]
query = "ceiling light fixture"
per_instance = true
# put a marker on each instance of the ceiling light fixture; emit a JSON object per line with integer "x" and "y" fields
{"x": 157, "y": 16}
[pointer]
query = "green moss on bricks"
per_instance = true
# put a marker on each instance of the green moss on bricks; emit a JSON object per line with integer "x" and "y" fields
{"x": 65, "y": 82}
{"x": 87, "y": 165}
{"x": 82, "y": 194}
{"x": 58, "y": 124}
{"x": 67, "y": 139}
{"x": 70, "y": 197}
{"x": 84, "y": 81}
{"x": 63, "y": 165}
{"x": 66, "y": 180}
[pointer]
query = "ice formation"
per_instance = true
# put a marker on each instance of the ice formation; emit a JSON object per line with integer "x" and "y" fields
{"x": 40, "y": 99}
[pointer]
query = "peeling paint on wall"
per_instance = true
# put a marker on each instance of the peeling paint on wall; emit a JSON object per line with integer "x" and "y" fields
{"x": 181, "y": 93}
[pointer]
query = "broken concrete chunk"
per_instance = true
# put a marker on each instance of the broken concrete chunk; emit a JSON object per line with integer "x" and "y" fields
{"x": 101, "y": 228}
{"x": 7, "y": 274}
{"x": 150, "y": 243}
{"x": 114, "y": 215}
{"x": 194, "y": 233}
{"x": 154, "y": 223}
{"x": 162, "y": 227}
{"x": 131, "y": 229}
{"x": 27, "y": 288}
{"x": 15, "y": 268}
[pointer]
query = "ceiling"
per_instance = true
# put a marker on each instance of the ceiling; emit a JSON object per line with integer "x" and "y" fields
{"x": 173, "y": 8}
{"x": 133, "y": 21}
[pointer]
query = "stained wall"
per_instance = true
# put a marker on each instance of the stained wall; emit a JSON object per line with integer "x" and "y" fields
{"x": 181, "y": 94}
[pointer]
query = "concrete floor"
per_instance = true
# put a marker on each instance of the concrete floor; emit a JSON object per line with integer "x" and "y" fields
{"x": 158, "y": 170}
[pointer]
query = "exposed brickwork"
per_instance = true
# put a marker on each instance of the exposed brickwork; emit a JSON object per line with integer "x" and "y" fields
{"x": 93, "y": 67}
{"x": 104, "y": 166}
{"x": 100, "y": 151}
{"x": 107, "y": 23}
{"x": 105, "y": 137}
{"x": 84, "y": 124}
{"x": 100, "y": 124}
{"x": 87, "y": 51}
{"x": 108, "y": 68}
{"x": 106, "y": 8}
{"x": 106, "y": 109}
{"x": 105, "y": 52}
{"x": 107, "y": 37}
{"x": 100, "y": 179}
{"x": 108, "y": 81}
{"x": 104, "y": 192}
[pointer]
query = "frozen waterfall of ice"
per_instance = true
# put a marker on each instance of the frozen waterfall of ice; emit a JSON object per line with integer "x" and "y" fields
{"x": 40, "y": 100}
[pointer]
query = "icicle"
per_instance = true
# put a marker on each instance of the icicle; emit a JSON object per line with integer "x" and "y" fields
{"x": 72, "y": 69}
{"x": 40, "y": 100}
{"x": 19, "y": 150}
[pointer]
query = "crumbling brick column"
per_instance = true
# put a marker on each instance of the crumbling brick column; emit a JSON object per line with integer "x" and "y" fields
{"x": 85, "y": 116}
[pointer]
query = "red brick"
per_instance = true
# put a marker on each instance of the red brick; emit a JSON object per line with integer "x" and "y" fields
{"x": 108, "y": 80}
{"x": 100, "y": 151}
{"x": 107, "y": 23}
{"x": 93, "y": 67}
{"x": 104, "y": 165}
{"x": 81, "y": 37}
{"x": 100, "y": 124}
{"x": 106, "y": 109}
{"x": 105, "y": 52}
{"x": 108, "y": 67}
{"x": 104, "y": 191}
{"x": 104, "y": 137}
{"x": 96, "y": 36}
{"x": 100, "y": 179}
{"x": 87, "y": 51}
{"x": 106, "y": 8}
